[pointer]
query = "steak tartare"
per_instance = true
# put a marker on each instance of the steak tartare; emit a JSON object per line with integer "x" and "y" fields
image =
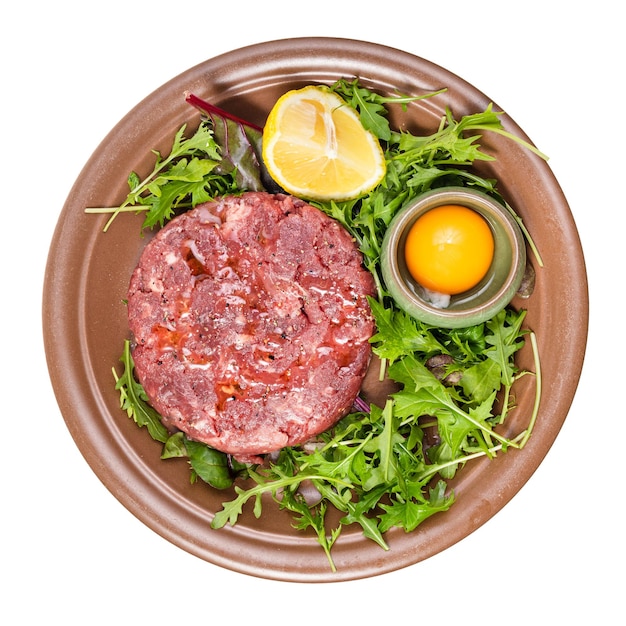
{"x": 250, "y": 323}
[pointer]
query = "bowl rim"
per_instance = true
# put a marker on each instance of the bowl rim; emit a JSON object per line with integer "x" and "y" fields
{"x": 500, "y": 219}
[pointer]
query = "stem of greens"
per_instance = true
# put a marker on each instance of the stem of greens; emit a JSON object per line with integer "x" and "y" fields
{"x": 123, "y": 209}
{"x": 538, "y": 390}
{"x": 515, "y": 138}
{"x": 529, "y": 239}
{"x": 211, "y": 109}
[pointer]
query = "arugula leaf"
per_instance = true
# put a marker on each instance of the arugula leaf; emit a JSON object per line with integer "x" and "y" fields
{"x": 311, "y": 517}
{"x": 449, "y": 145}
{"x": 134, "y": 401}
{"x": 196, "y": 170}
{"x": 415, "y": 164}
{"x": 505, "y": 339}
{"x": 168, "y": 193}
{"x": 372, "y": 106}
{"x": 416, "y": 377}
{"x": 266, "y": 482}
{"x": 479, "y": 381}
{"x": 382, "y": 445}
{"x": 200, "y": 143}
{"x": 383, "y": 467}
{"x": 455, "y": 426}
{"x": 358, "y": 514}
{"x": 398, "y": 334}
{"x": 410, "y": 511}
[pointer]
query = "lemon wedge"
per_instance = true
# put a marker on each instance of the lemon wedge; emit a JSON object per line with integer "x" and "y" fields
{"x": 315, "y": 147}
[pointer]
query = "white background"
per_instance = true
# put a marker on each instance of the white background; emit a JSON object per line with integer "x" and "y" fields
{"x": 71, "y": 553}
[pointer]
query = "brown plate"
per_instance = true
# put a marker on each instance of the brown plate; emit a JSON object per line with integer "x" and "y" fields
{"x": 85, "y": 324}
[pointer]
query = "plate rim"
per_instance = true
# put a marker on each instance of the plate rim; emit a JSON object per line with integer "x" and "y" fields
{"x": 143, "y": 500}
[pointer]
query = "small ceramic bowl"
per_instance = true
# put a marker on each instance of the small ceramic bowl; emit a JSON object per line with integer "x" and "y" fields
{"x": 494, "y": 292}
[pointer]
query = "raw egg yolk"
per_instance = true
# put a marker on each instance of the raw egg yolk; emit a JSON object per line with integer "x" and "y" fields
{"x": 449, "y": 249}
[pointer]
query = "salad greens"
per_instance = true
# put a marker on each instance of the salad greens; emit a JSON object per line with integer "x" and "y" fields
{"x": 380, "y": 466}
{"x": 188, "y": 176}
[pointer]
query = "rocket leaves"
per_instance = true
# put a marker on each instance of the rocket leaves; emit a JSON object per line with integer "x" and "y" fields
{"x": 377, "y": 467}
{"x": 380, "y": 466}
{"x": 134, "y": 401}
{"x": 197, "y": 169}
{"x": 399, "y": 334}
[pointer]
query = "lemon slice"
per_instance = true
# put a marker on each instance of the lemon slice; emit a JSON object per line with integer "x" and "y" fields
{"x": 315, "y": 147}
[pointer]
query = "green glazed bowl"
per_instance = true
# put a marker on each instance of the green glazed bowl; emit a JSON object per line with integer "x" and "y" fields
{"x": 483, "y": 301}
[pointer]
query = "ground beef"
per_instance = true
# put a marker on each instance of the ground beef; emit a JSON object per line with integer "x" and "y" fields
{"x": 250, "y": 323}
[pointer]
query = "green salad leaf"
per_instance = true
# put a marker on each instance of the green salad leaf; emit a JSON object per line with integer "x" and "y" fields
{"x": 380, "y": 466}
{"x": 188, "y": 176}
{"x": 134, "y": 401}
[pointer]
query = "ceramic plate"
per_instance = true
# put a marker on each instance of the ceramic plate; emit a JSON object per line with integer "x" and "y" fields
{"x": 85, "y": 324}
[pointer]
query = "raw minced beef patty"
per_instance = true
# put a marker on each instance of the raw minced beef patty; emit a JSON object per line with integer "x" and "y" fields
{"x": 250, "y": 322}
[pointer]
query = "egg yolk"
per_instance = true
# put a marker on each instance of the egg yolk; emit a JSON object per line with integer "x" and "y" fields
{"x": 449, "y": 249}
